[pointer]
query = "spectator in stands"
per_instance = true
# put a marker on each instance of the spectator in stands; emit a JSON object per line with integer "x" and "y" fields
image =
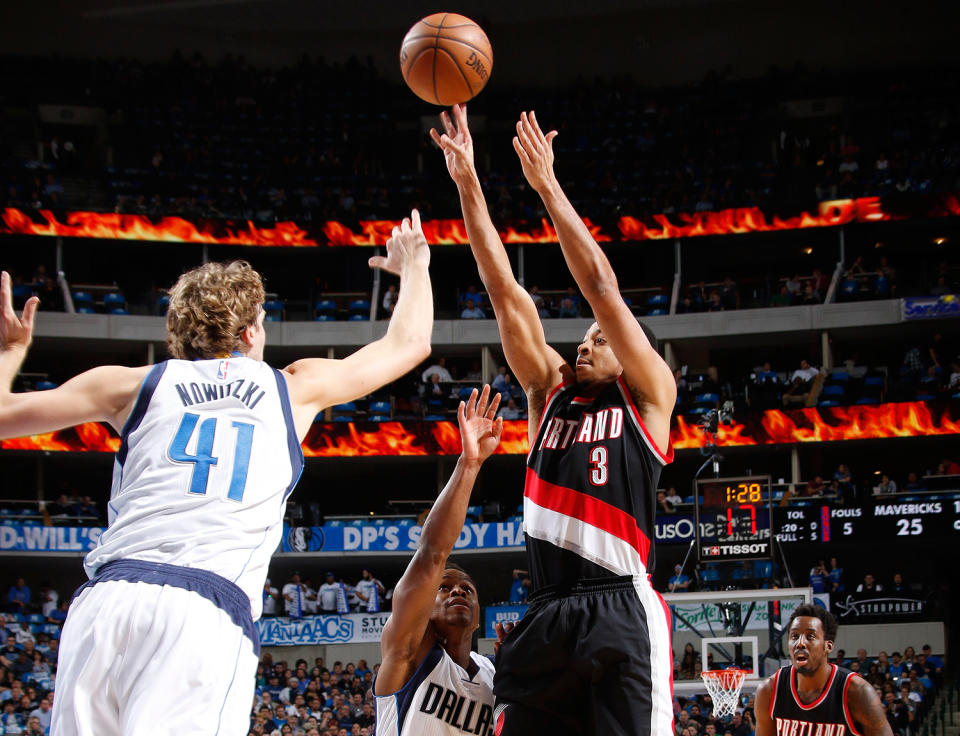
{"x": 61, "y": 508}
{"x": 439, "y": 369}
{"x": 470, "y": 295}
{"x": 59, "y": 615}
{"x": 43, "y": 713}
{"x": 953, "y": 384}
{"x": 18, "y": 597}
{"x": 520, "y": 588}
{"x": 801, "y": 383}
{"x": 370, "y": 592}
{"x": 328, "y": 594}
{"x": 86, "y": 507}
{"x": 783, "y": 298}
{"x": 729, "y": 294}
{"x": 948, "y": 467}
{"x": 885, "y": 486}
{"x": 674, "y": 498}
{"x": 898, "y": 586}
{"x": 835, "y": 576}
{"x": 869, "y": 585}
{"x": 295, "y": 597}
{"x": 663, "y": 505}
{"x": 568, "y": 308}
{"x": 913, "y": 483}
{"x": 471, "y": 311}
{"x": 678, "y": 582}
{"x": 48, "y": 598}
{"x": 539, "y": 302}
{"x": 815, "y": 487}
{"x": 270, "y": 596}
{"x": 389, "y": 299}
{"x": 818, "y": 577}
{"x": 935, "y": 662}
{"x": 510, "y": 411}
{"x": 794, "y": 286}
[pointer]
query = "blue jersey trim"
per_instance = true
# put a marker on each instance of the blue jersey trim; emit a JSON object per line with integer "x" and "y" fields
{"x": 140, "y": 408}
{"x": 225, "y": 595}
{"x": 404, "y": 696}
{"x": 293, "y": 444}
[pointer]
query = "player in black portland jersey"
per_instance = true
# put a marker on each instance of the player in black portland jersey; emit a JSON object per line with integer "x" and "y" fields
{"x": 812, "y": 697}
{"x": 592, "y": 654}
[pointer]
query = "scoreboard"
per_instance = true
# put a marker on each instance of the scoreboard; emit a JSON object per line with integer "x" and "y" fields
{"x": 733, "y": 519}
{"x": 936, "y": 516}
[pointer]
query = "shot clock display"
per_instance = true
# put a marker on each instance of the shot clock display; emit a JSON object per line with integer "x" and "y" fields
{"x": 733, "y": 518}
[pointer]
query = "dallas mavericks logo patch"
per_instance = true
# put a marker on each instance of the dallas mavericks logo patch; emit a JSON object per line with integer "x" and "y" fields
{"x": 304, "y": 539}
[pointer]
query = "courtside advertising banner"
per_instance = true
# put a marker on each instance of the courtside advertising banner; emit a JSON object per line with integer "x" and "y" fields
{"x": 349, "y": 628}
{"x": 16, "y": 537}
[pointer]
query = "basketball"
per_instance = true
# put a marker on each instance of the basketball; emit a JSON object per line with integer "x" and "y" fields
{"x": 446, "y": 59}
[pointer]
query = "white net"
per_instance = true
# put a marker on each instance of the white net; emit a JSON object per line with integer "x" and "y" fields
{"x": 724, "y": 687}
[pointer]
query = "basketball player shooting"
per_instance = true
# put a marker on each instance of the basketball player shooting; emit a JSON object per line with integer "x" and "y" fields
{"x": 430, "y": 682}
{"x": 209, "y": 453}
{"x": 812, "y": 697}
{"x": 592, "y": 654}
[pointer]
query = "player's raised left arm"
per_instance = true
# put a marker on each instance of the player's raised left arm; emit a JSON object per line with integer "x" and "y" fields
{"x": 104, "y": 394}
{"x": 866, "y": 709}
{"x": 402, "y": 641}
{"x": 647, "y": 375}
{"x": 317, "y": 383}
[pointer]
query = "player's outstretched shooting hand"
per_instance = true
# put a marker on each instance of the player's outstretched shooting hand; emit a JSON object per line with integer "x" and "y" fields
{"x": 480, "y": 427}
{"x": 535, "y": 151}
{"x": 456, "y": 143}
{"x": 15, "y": 332}
{"x": 407, "y": 245}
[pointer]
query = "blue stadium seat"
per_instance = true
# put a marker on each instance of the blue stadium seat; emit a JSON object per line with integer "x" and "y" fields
{"x": 343, "y": 419}
{"x": 359, "y": 317}
{"x": 44, "y": 385}
{"x": 873, "y": 381}
{"x": 406, "y": 522}
{"x": 36, "y": 618}
{"x": 356, "y": 522}
{"x": 867, "y": 401}
{"x": 658, "y": 312}
{"x": 839, "y": 376}
{"x": 324, "y": 318}
{"x": 325, "y": 306}
{"x": 657, "y": 300}
{"x": 348, "y": 406}
{"x": 379, "y": 407}
{"x": 434, "y": 417}
{"x": 119, "y": 310}
{"x": 378, "y": 418}
{"x": 833, "y": 390}
{"x": 82, "y": 298}
{"x": 86, "y": 310}
{"x": 334, "y": 522}
{"x": 113, "y": 300}
{"x": 708, "y": 398}
{"x": 828, "y": 402}
{"x": 163, "y": 304}
{"x": 360, "y": 305}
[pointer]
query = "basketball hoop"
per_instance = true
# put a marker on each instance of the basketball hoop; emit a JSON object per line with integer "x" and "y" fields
{"x": 724, "y": 687}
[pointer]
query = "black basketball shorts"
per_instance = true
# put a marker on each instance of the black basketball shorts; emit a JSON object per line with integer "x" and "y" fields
{"x": 593, "y": 659}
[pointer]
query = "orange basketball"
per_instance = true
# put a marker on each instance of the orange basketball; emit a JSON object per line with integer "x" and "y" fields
{"x": 446, "y": 58}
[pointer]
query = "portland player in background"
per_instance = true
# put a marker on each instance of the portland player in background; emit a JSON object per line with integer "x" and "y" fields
{"x": 592, "y": 654}
{"x": 812, "y": 697}
{"x": 430, "y": 683}
{"x": 161, "y": 639}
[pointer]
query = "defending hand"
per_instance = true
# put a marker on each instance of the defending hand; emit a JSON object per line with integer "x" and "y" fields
{"x": 480, "y": 427}
{"x": 535, "y": 151}
{"x": 456, "y": 143}
{"x": 407, "y": 245}
{"x": 15, "y": 332}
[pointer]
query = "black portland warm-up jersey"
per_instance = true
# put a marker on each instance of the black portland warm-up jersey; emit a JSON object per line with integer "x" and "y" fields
{"x": 828, "y": 715}
{"x": 590, "y": 494}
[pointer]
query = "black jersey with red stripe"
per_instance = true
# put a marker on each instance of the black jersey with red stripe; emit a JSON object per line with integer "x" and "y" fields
{"x": 590, "y": 495}
{"x": 828, "y": 715}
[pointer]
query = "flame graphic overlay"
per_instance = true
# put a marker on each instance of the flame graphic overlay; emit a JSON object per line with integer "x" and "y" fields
{"x": 453, "y": 232}
{"x": 396, "y": 439}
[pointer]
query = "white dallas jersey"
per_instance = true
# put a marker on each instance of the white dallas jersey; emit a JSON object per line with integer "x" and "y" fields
{"x": 440, "y": 700}
{"x": 207, "y": 459}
